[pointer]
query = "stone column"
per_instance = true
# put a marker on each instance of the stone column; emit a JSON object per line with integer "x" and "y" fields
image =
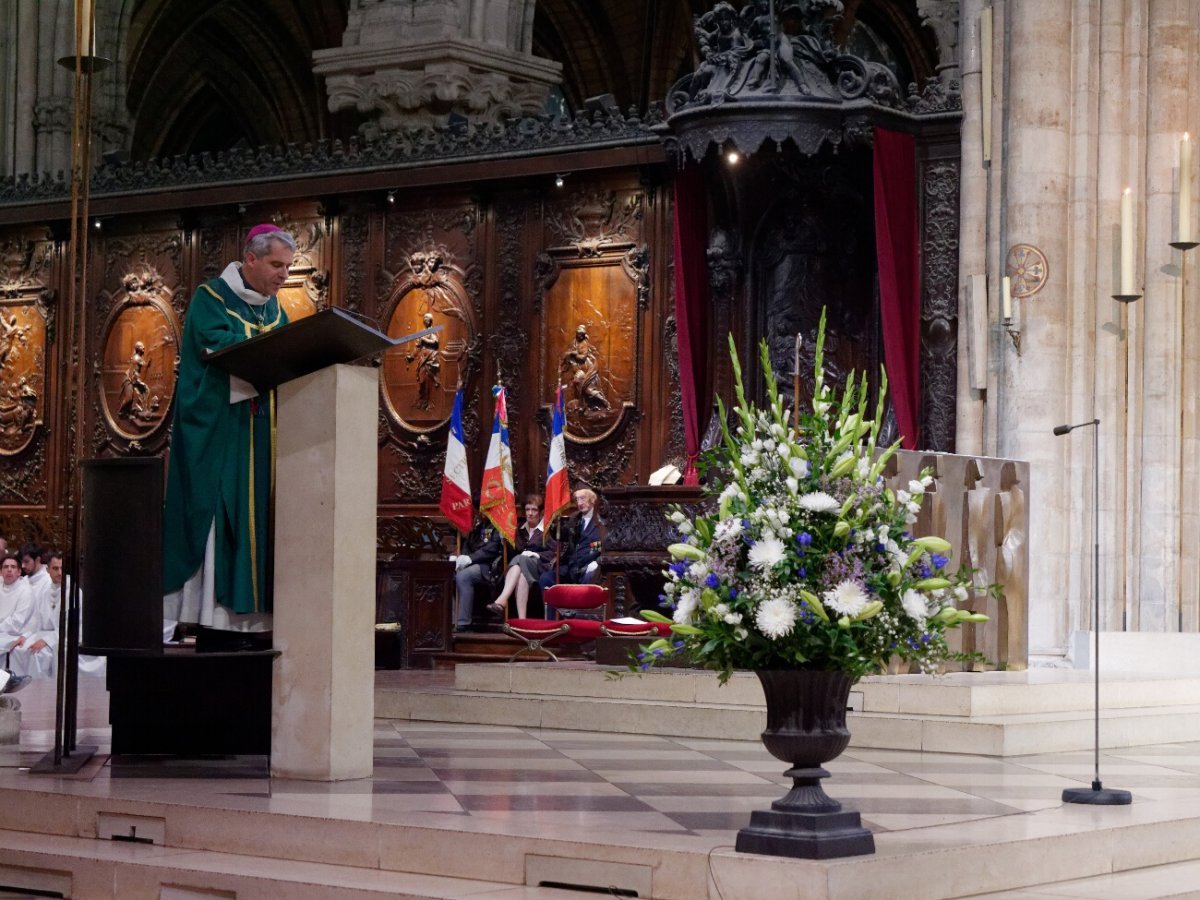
{"x": 1158, "y": 545}
{"x": 972, "y": 234}
{"x": 1035, "y": 387}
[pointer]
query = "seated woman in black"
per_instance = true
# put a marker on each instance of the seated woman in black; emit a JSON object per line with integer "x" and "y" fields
{"x": 535, "y": 555}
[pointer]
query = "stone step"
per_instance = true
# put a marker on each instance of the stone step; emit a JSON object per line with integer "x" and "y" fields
{"x": 961, "y": 713}
{"x": 301, "y": 856}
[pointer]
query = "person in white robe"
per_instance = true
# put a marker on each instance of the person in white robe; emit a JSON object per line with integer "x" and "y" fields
{"x": 88, "y": 665}
{"x": 37, "y": 653}
{"x": 16, "y": 608}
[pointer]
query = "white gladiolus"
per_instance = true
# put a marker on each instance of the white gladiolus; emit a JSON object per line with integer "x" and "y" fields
{"x": 793, "y": 485}
{"x": 784, "y": 451}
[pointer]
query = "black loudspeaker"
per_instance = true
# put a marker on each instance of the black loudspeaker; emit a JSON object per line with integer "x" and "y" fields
{"x": 120, "y": 559}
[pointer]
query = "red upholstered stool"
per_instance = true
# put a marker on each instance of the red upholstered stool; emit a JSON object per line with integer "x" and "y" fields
{"x": 536, "y": 633}
{"x": 613, "y": 628}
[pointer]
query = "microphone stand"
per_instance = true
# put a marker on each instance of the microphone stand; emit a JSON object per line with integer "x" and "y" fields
{"x": 1097, "y": 794}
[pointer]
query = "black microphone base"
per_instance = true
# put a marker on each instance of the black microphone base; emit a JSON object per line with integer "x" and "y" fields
{"x": 1097, "y": 795}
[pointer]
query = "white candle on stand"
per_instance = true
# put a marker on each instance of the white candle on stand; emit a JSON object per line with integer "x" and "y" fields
{"x": 1006, "y": 298}
{"x": 1127, "y": 243}
{"x": 83, "y": 14}
{"x": 1185, "y": 190}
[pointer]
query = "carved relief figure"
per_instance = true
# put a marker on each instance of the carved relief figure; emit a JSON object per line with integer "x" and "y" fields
{"x": 580, "y": 369}
{"x": 724, "y": 48}
{"x": 18, "y": 409}
{"x": 427, "y": 353}
{"x": 12, "y": 336}
{"x": 131, "y": 404}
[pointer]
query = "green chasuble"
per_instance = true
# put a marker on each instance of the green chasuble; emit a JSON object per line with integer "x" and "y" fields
{"x": 222, "y": 460}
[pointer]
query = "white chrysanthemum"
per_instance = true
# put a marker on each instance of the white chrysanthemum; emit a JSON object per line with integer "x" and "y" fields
{"x": 688, "y": 601}
{"x": 819, "y": 501}
{"x": 766, "y": 553}
{"x": 914, "y": 604}
{"x": 847, "y": 598}
{"x": 776, "y": 617}
{"x": 798, "y": 466}
{"x": 728, "y": 529}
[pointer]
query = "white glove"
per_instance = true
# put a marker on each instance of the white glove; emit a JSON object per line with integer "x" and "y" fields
{"x": 592, "y": 567}
{"x": 531, "y": 553}
{"x": 461, "y": 562}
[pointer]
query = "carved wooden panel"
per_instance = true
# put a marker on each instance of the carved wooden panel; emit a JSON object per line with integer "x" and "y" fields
{"x": 420, "y": 377}
{"x": 593, "y": 290}
{"x": 27, "y": 325}
{"x": 134, "y": 333}
{"x": 431, "y": 267}
{"x": 139, "y": 358}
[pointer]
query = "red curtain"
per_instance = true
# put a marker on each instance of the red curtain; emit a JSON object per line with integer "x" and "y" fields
{"x": 898, "y": 253}
{"x": 691, "y": 299}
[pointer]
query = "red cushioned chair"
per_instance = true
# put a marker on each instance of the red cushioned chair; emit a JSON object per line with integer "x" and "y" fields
{"x": 581, "y": 598}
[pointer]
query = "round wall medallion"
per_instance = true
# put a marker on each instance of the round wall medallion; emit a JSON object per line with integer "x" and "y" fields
{"x": 1027, "y": 267}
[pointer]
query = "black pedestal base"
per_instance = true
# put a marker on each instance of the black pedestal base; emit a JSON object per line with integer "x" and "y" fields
{"x": 1097, "y": 795}
{"x": 68, "y": 764}
{"x": 826, "y": 835}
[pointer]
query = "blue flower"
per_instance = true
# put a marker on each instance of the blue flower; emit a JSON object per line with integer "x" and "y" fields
{"x": 939, "y": 561}
{"x": 712, "y": 580}
{"x": 733, "y": 592}
{"x": 804, "y": 539}
{"x": 678, "y": 569}
{"x": 924, "y": 572}
{"x": 803, "y": 573}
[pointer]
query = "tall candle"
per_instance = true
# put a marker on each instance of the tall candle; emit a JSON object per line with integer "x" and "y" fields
{"x": 1006, "y": 298}
{"x": 83, "y": 21}
{"x": 1127, "y": 243}
{"x": 1185, "y": 189}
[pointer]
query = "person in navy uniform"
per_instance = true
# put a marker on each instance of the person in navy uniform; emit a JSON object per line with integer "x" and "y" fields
{"x": 583, "y": 545}
{"x": 475, "y": 569}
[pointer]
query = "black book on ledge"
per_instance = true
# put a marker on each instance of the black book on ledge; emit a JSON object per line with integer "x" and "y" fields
{"x": 327, "y": 338}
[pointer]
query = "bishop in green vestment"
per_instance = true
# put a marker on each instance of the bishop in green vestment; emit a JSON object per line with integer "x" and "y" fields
{"x": 222, "y": 452}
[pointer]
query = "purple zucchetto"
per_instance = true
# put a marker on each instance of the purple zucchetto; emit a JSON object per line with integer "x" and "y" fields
{"x": 264, "y": 228}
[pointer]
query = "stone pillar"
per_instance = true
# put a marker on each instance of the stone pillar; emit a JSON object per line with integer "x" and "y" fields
{"x": 403, "y": 64}
{"x": 322, "y": 722}
{"x": 1158, "y": 538}
{"x": 972, "y": 233}
{"x": 1035, "y": 388}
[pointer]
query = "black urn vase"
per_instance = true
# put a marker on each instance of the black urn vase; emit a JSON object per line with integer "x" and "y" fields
{"x": 806, "y": 727}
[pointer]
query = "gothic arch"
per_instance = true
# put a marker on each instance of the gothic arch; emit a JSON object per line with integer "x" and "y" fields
{"x": 202, "y": 76}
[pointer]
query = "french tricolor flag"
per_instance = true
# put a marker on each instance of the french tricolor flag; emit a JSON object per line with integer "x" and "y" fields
{"x": 558, "y": 485}
{"x": 497, "y": 496}
{"x": 456, "y": 479}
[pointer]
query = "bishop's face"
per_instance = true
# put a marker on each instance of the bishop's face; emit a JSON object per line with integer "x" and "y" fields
{"x": 10, "y": 571}
{"x": 266, "y": 274}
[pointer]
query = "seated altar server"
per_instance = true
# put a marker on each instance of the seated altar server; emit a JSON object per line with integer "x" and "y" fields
{"x": 16, "y": 608}
{"x": 37, "y": 654}
{"x": 222, "y": 460}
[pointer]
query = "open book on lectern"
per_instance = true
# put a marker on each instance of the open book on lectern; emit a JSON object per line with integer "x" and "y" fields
{"x": 327, "y": 338}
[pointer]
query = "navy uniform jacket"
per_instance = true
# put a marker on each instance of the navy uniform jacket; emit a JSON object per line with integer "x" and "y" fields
{"x": 582, "y": 547}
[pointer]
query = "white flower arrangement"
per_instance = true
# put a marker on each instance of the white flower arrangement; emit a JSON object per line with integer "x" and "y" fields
{"x": 806, "y": 561}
